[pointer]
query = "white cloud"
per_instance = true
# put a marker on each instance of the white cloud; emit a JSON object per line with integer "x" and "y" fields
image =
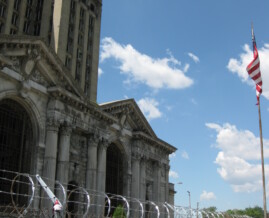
{"x": 100, "y": 71}
{"x": 239, "y": 157}
{"x": 238, "y": 66}
{"x": 194, "y": 57}
{"x": 172, "y": 155}
{"x": 141, "y": 68}
{"x": 193, "y": 101}
{"x": 149, "y": 107}
{"x": 185, "y": 155}
{"x": 207, "y": 196}
{"x": 173, "y": 174}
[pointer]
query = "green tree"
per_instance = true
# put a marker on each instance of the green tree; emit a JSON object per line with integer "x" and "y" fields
{"x": 255, "y": 212}
{"x": 211, "y": 209}
{"x": 119, "y": 212}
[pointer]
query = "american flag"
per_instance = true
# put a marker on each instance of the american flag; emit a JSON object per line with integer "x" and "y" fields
{"x": 253, "y": 69}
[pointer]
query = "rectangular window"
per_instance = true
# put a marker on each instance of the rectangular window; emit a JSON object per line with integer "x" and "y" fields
{"x": 78, "y": 69}
{"x": 1, "y": 27}
{"x": 14, "y": 19}
{"x": 86, "y": 88}
{"x": 2, "y": 10}
{"x": 26, "y": 26}
{"x": 17, "y": 5}
{"x": 13, "y": 31}
{"x": 68, "y": 62}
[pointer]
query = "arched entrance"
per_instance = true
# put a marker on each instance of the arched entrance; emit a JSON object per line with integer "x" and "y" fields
{"x": 114, "y": 173}
{"x": 16, "y": 143}
{"x": 73, "y": 197}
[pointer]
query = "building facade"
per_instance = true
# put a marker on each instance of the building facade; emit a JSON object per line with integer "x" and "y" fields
{"x": 50, "y": 121}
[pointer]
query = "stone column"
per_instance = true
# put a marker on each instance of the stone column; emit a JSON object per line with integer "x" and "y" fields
{"x": 167, "y": 168}
{"x": 135, "y": 176}
{"x": 91, "y": 163}
{"x": 135, "y": 184}
{"x": 101, "y": 175}
{"x": 49, "y": 169}
{"x": 143, "y": 180}
{"x": 92, "y": 142}
{"x": 156, "y": 181}
{"x": 63, "y": 158}
{"x": 127, "y": 177}
{"x": 9, "y": 12}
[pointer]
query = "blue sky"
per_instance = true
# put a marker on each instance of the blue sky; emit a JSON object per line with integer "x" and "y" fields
{"x": 184, "y": 63}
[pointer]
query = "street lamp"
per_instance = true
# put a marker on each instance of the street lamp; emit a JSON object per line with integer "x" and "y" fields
{"x": 189, "y": 201}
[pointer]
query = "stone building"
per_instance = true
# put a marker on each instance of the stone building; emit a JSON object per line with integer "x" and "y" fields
{"x": 50, "y": 121}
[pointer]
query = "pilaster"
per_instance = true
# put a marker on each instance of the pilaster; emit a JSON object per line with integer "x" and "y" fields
{"x": 63, "y": 154}
{"x": 156, "y": 182}
{"x": 49, "y": 169}
{"x": 101, "y": 173}
{"x": 92, "y": 142}
{"x": 143, "y": 179}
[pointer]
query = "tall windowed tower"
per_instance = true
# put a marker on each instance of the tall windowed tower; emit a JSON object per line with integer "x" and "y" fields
{"x": 70, "y": 27}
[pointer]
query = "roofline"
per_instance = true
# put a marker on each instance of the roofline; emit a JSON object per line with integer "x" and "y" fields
{"x": 110, "y": 105}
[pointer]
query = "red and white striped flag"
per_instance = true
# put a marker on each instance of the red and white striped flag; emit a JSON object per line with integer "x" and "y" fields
{"x": 253, "y": 69}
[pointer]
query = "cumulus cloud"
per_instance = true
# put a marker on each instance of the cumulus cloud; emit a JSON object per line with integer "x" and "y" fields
{"x": 100, "y": 71}
{"x": 149, "y": 107}
{"x": 172, "y": 155}
{"x": 207, "y": 196}
{"x": 238, "y": 66}
{"x": 155, "y": 73}
{"x": 173, "y": 174}
{"x": 194, "y": 57}
{"x": 239, "y": 157}
{"x": 185, "y": 155}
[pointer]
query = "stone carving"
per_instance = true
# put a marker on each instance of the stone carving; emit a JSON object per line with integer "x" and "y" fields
{"x": 66, "y": 129}
{"x": 93, "y": 139}
{"x": 39, "y": 78}
{"x": 52, "y": 124}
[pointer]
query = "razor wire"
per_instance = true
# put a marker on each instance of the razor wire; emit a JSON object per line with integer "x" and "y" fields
{"x": 24, "y": 197}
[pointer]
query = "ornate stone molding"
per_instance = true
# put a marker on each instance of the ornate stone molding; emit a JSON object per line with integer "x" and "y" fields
{"x": 66, "y": 129}
{"x": 93, "y": 139}
{"x": 52, "y": 124}
{"x": 103, "y": 143}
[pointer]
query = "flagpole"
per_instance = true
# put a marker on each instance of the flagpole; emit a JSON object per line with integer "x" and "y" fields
{"x": 262, "y": 159}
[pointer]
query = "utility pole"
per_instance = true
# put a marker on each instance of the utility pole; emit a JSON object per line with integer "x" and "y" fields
{"x": 197, "y": 210}
{"x": 189, "y": 202}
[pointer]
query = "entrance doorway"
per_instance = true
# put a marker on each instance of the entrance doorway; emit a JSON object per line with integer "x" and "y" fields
{"x": 16, "y": 143}
{"x": 114, "y": 174}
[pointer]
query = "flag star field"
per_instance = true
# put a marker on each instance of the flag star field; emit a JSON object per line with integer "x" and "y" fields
{"x": 184, "y": 62}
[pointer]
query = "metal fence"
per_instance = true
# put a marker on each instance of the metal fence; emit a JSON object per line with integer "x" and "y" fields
{"x": 24, "y": 195}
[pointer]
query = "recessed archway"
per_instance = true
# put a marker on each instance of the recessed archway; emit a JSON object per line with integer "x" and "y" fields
{"x": 114, "y": 174}
{"x": 114, "y": 170}
{"x": 16, "y": 147}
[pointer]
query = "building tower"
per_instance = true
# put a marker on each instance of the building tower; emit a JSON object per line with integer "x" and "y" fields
{"x": 70, "y": 27}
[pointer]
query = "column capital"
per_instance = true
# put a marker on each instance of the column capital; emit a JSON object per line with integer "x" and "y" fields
{"x": 52, "y": 124}
{"x": 66, "y": 129}
{"x": 104, "y": 143}
{"x": 137, "y": 156}
{"x": 93, "y": 139}
{"x": 166, "y": 167}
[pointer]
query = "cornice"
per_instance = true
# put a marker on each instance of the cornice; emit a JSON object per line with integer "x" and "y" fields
{"x": 155, "y": 142}
{"x": 22, "y": 43}
{"x": 84, "y": 106}
{"x": 129, "y": 106}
